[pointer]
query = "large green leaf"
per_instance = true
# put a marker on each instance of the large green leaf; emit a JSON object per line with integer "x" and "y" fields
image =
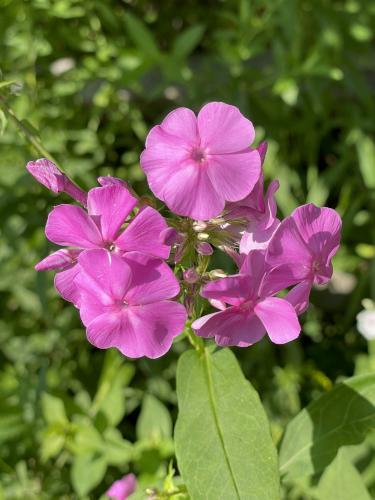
{"x": 223, "y": 443}
{"x": 342, "y": 481}
{"x": 341, "y": 417}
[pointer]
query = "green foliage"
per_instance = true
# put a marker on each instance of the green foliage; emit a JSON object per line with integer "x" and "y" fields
{"x": 223, "y": 444}
{"x": 86, "y": 80}
{"x": 341, "y": 417}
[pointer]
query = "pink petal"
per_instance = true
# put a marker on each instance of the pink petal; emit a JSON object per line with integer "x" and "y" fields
{"x": 299, "y": 296}
{"x": 59, "y": 260}
{"x": 284, "y": 276}
{"x": 320, "y": 228}
{"x": 255, "y": 238}
{"x": 69, "y": 225}
{"x": 178, "y": 127}
{"x": 137, "y": 331}
{"x": 65, "y": 285}
{"x": 102, "y": 283}
{"x": 144, "y": 234}
{"x": 123, "y": 488}
{"x": 152, "y": 279}
{"x": 230, "y": 327}
{"x": 262, "y": 150}
{"x": 254, "y": 267}
{"x": 288, "y": 248}
{"x": 190, "y": 192}
{"x": 279, "y": 319}
{"x": 112, "y": 204}
{"x": 233, "y": 290}
{"x": 270, "y": 205}
{"x": 234, "y": 175}
{"x": 223, "y": 129}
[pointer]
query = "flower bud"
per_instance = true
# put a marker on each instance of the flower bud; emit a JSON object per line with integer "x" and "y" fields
{"x": 108, "y": 180}
{"x": 47, "y": 173}
{"x": 59, "y": 260}
{"x": 170, "y": 236}
{"x": 199, "y": 226}
{"x": 217, "y": 273}
{"x": 189, "y": 304}
{"x": 204, "y": 248}
{"x": 203, "y": 236}
{"x": 191, "y": 275}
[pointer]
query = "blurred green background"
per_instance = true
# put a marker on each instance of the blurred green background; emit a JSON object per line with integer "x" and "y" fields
{"x": 90, "y": 78}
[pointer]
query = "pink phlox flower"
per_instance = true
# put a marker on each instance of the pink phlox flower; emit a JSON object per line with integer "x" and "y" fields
{"x": 122, "y": 488}
{"x": 197, "y": 163}
{"x": 124, "y": 302}
{"x": 48, "y": 174}
{"x": 100, "y": 227}
{"x": 252, "y": 309}
{"x": 301, "y": 251}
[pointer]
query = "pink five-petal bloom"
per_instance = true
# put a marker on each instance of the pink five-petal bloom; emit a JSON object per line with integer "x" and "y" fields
{"x": 46, "y": 172}
{"x": 124, "y": 302}
{"x": 100, "y": 227}
{"x": 196, "y": 163}
{"x": 252, "y": 310}
{"x": 301, "y": 251}
{"x": 123, "y": 488}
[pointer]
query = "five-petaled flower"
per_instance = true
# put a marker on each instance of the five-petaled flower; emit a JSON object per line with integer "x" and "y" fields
{"x": 197, "y": 163}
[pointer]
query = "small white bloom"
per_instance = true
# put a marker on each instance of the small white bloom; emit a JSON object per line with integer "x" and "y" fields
{"x": 366, "y": 324}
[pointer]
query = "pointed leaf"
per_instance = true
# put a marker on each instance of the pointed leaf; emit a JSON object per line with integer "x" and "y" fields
{"x": 223, "y": 443}
{"x": 341, "y": 417}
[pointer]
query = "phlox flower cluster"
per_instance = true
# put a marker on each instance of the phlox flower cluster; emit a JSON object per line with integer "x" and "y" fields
{"x": 118, "y": 251}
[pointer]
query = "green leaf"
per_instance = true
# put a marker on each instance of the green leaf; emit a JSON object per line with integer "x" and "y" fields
{"x": 53, "y": 409}
{"x": 110, "y": 397}
{"x": 186, "y": 42}
{"x": 141, "y": 36}
{"x": 341, "y": 417}
{"x": 223, "y": 443}
{"x": 366, "y": 158}
{"x": 117, "y": 450}
{"x": 87, "y": 472}
{"x": 342, "y": 481}
{"x": 154, "y": 422}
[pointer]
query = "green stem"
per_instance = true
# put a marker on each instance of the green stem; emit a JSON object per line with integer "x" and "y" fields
{"x": 27, "y": 134}
{"x": 194, "y": 340}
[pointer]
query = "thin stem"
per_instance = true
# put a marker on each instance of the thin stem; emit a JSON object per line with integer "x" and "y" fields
{"x": 194, "y": 340}
{"x": 27, "y": 134}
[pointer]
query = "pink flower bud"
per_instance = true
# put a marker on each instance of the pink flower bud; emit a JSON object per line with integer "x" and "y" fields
{"x": 204, "y": 248}
{"x": 191, "y": 275}
{"x": 59, "y": 260}
{"x": 108, "y": 180}
{"x": 123, "y": 488}
{"x": 46, "y": 173}
{"x": 170, "y": 236}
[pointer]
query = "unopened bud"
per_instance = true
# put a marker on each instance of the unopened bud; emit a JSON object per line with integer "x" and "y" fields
{"x": 191, "y": 275}
{"x": 170, "y": 236}
{"x": 204, "y": 248}
{"x": 189, "y": 304}
{"x": 199, "y": 226}
{"x": 108, "y": 180}
{"x": 48, "y": 174}
{"x": 59, "y": 260}
{"x": 203, "y": 236}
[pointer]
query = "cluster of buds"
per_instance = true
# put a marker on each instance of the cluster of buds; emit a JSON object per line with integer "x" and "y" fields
{"x": 118, "y": 255}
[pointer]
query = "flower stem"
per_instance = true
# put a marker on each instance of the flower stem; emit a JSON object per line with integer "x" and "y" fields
{"x": 194, "y": 340}
{"x": 26, "y": 132}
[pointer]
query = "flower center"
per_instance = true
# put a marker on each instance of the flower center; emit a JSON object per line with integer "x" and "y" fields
{"x": 317, "y": 266}
{"x": 199, "y": 155}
